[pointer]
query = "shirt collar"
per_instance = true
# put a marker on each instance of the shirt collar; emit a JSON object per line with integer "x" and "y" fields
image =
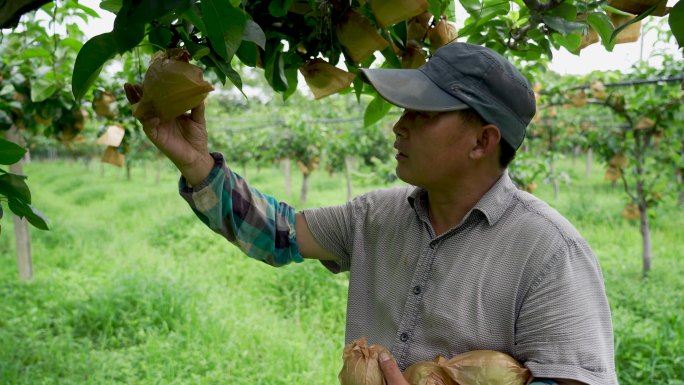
{"x": 492, "y": 205}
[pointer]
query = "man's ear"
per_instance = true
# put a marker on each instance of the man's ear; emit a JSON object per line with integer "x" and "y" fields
{"x": 488, "y": 138}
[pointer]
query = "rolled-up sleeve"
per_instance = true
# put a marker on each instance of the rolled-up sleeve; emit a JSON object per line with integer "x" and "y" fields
{"x": 261, "y": 226}
{"x": 333, "y": 229}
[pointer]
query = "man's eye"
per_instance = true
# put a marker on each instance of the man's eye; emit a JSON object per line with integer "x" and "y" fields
{"x": 426, "y": 115}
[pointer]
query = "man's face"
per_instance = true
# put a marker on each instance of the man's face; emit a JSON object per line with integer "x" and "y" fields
{"x": 432, "y": 147}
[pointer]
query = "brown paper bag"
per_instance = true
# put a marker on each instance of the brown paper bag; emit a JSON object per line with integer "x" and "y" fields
{"x": 171, "y": 86}
{"x": 112, "y": 137}
{"x": 324, "y": 78}
{"x": 487, "y": 367}
{"x": 390, "y": 12}
{"x": 112, "y": 156}
{"x": 358, "y": 37}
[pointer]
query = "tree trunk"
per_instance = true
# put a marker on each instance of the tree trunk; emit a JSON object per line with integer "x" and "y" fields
{"x": 102, "y": 169}
{"x": 645, "y": 238}
{"x": 157, "y": 176}
{"x": 589, "y": 161}
{"x": 21, "y": 230}
{"x": 128, "y": 171}
{"x": 575, "y": 152}
{"x": 305, "y": 188}
{"x": 287, "y": 170}
{"x": 244, "y": 171}
{"x": 347, "y": 175}
{"x": 641, "y": 144}
{"x": 554, "y": 180}
{"x": 680, "y": 179}
{"x": 680, "y": 183}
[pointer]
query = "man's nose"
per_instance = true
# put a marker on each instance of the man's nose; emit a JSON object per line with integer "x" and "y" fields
{"x": 401, "y": 127}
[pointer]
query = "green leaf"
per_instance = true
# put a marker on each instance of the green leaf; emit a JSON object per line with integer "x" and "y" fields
{"x": 533, "y": 54}
{"x": 254, "y": 33}
{"x": 7, "y": 89}
{"x": 34, "y": 52}
{"x": 160, "y": 36}
{"x": 32, "y": 215}
{"x": 112, "y": 6}
{"x": 571, "y": 42}
{"x": 600, "y": 22}
{"x": 563, "y": 26}
{"x": 291, "y": 77}
{"x": 42, "y": 89}
{"x": 434, "y": 6}
{"x": 13, "y": 186}
{"x": 638, "y": 18}
{"x": 127, "y": 35}
{"x": 248, "y": 53}
{"x": 358, "y": 88}
{"x": 91, "y": 12}
{"x": 196, "y": 20}
{"x": 471, "y": 6}
{"x": 274, "y": 68}
{"x": 225, "y": 26}
{"x": 375, "y": 111}
{"x": 10, "y": 152}
{"x": 144, "y": 11}
{"x": 676, "y": 21}
{"x": 198, "y": 51}
{"x": 89, "y": 62}
{"x": 228, "y": 71}
{"x": 279, "y": 8}
{"x": 71, "y": 43}
{"x": 391, "y": 57}
{"x": 5, "y": 121}
{"x": 565, "y": 10}
{"x": 494, "y": 8}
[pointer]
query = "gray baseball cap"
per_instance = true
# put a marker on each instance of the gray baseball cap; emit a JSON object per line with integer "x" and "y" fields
{"x": 460, "y": 76}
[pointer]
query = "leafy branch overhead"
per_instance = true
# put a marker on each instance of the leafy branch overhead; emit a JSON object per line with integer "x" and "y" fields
{"x": 13, "y": 188}
{"x": 286, "y": 36}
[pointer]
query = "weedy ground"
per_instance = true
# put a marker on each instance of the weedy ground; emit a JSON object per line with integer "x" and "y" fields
{"x": 130, "y": 288}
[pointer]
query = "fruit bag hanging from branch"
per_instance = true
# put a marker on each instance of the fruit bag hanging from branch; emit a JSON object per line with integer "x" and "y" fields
{"x": 171, "y": 86}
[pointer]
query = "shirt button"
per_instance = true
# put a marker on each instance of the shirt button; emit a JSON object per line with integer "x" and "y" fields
{"x": 403, "y": 337}
{"x": 416, "y": 289}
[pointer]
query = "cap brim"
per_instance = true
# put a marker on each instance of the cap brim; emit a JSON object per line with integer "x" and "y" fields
{"x": 411, "y": 89}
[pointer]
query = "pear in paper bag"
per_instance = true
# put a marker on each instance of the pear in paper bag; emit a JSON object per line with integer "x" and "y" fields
{"x": 429, "y": 373}
{"x": 112, "y": 137}
{"x": 325, "y": 79}
{"x": 358, "y": 37}
{"x": 113, "y": 156}
{"x": 361, "y": 365}
{"x": 487, "y": 367}
{"x": 172, "y": 86}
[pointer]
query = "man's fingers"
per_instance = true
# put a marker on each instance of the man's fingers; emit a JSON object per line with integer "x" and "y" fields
{"x": 149, "y": 122}
{"x": 391, "y": 370}
{"x": 133, "y": 92}
{"x": 197, "y": 114}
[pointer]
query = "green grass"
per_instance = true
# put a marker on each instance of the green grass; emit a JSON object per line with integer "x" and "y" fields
{"x": 129, "y": 288}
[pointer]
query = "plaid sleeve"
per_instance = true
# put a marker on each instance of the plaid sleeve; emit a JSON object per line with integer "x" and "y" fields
{"x": 258, "y": 224}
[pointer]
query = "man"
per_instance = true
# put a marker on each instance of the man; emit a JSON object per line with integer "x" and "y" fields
{"x": 463, "y": 261}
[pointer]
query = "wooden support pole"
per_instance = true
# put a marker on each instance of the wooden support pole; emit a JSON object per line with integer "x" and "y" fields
{"x": 21, "y": 228}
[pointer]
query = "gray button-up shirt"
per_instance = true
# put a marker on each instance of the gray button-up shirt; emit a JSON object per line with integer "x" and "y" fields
{"x": 513, "y": 276}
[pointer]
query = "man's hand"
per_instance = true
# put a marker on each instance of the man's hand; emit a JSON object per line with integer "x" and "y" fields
{"x": 391, "y": 370}
{"x": 183, "y": 140}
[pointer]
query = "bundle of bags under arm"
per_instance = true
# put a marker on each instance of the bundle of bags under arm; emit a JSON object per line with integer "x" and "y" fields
{"x": 478, "y": 367}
